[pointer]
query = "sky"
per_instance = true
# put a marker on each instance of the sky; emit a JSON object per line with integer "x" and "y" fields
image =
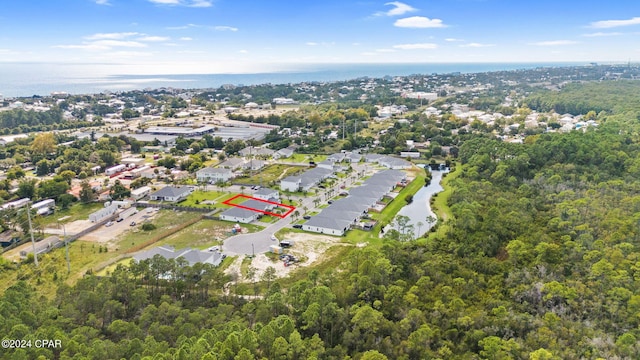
{"x": 244, "y": 36}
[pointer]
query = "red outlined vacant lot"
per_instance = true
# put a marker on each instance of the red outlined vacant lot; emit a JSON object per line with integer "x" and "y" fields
{"x": 246, "y": 197}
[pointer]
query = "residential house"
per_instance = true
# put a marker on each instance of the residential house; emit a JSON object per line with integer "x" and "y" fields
{"x": 283, "y": 153}
{"x": 213, "y": 175}
{"x": 254, "y": 164}
{"x": 192, "y": 256}
{"x": 171, "y": 193}
{"x": 239, "y": 215}
{"x": 327, "y": 225}
{"x": 290, "y": 183}
{"x": 102, "y": 214}
{"x": 140, "y": 193}
{"x": 267, "y": 194}
{"x": 232, "y": 163}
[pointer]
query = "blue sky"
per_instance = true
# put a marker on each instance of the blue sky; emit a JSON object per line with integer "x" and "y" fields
{"x": 215, "y": 36}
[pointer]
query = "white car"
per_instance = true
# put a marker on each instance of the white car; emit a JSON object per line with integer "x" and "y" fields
{"x": 108, "y": 224}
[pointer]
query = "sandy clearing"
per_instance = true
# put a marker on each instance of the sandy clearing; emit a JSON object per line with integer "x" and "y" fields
{"x": 307, "y": 247}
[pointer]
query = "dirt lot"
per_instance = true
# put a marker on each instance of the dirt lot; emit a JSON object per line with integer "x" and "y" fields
{"x": 307, "y": 247}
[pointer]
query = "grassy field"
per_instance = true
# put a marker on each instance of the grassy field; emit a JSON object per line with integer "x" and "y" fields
{"x": 77, "y": 211}
{"x": 197, "y": 198}
{"x": 87, "y": 257}
{"x": 272, "y": 173}
{"x": 305, "y": 158}
{"x": 387, "y": 215}
{"x": 440, "y": 203}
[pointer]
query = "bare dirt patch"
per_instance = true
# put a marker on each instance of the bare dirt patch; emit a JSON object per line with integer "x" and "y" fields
{"x": 307, "y": 248}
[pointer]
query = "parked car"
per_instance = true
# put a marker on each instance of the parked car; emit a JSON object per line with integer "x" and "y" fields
{"x": 306, "y": 217}
{"x": 108, "y": 224}
{"x": 297, "y": 226}
{"x": 120, "y": 220}
{"x": 330, "y": 202}
{"x": 133, "y": 223}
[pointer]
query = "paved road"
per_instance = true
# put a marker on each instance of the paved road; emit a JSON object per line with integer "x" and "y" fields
{"x": 259, "y": 242}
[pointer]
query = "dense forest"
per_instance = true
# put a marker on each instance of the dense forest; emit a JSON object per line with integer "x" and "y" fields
{"x": 580, "y": 98}
{"x": 539, "y": 262}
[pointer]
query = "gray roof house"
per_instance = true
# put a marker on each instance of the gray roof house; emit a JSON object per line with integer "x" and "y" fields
{"x": 192, "y": 256}
{"x": 337, "y": 157}
{"x": 283, "y": 153}
{"x": 232, "y": 163}
{"x": 254, "y": 164}
{"x": 256, "y": 151}
{"x": 290, "y": 183}
{"x": 327, "y": 225}
{"x": 213, "y": 175}
{"x": 171, "y": 193}
{"x": 267, "y": 194}
{"x": 239, "y": 215}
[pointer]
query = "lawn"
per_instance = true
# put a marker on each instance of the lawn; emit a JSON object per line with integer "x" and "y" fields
{"x": 197, "y": 198}
{"x": 271, "y": 175}
{"x": 387, "y": 215}
{"x": 305, "y": 158}
{"x": 77, "y": 211}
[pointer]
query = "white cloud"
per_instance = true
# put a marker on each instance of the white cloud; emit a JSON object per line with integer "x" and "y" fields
{"x": 368, "y": 53}
{"x": 118, "y": 43}
{"x": 188, "y": 3}
{"x": 477, "y": 45}
{"x": 126, "y": 54}
{"x": 243, "y": 51}
{"x": 453, "y": 40}
{"x": 183, "y": 27}
{"x": 111, "y": 36}
{"x": 601, "y": 34}
{"x": 418, "y": 46}
{"x": 419, "y": 22}
{"x": 398, "y": 9}
{"x": 311, "y": 43}
{"x": 225, "y": 28}
{"x": 102, "y": 2}
{"x": 186, "y": 38}
{"x": 153, "y": 38}
{"x": 554, "y": 43}
{"x": 606, "y": 24}
{"x": 385, "y": 50}
{"x": 87, "y": 46}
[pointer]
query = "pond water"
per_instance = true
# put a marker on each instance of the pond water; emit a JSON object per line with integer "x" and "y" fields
{"x": 420, "y": 208}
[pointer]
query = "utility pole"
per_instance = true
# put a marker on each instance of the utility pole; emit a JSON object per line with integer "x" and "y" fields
{"x": 33, "y": 241}
{"x": 66, "y": 245}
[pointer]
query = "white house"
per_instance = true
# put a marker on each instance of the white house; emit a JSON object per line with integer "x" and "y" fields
{"x": 253, "y": 164}
{"x": 115, "y": 169}
{"x": 103, "y": 213}
{"x": 192, "y": 256}
{"x": 140, "y": 192}
{"x": 240, "y": 215}
{"x": 213, "y": 175}
{"x": 171, "y": 193}
{"x": 283, "y": 153}
{"x": 267, "y": 194}
{"x": 290, "y": 183}
{"x": 327, "y": 225}
{"x": 232, "y": 163}
{"x": 44, "y": 207}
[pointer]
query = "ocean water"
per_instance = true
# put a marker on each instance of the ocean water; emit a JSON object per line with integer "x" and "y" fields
{"x": 28, "y": 79}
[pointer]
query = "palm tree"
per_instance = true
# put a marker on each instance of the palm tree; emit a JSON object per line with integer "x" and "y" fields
{"x": 419, "y": 224}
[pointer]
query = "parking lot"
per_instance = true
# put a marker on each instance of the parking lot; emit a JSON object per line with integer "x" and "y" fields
{"x": 106, "y": 233}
